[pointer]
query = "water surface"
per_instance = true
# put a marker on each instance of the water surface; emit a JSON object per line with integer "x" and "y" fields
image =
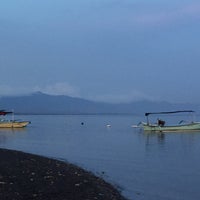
{"x": 144, "y": 166}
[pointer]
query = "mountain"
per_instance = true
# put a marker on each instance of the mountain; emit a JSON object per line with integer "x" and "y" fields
{"x": 40, "y": 103}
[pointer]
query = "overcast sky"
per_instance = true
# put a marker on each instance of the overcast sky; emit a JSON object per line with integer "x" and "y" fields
{"x": 105, "y": 50}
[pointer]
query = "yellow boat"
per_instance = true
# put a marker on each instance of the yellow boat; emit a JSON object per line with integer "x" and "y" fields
{"x": 4, "y": 123}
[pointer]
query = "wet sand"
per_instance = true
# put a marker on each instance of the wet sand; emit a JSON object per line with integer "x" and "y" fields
{"x": 26, "y": 176}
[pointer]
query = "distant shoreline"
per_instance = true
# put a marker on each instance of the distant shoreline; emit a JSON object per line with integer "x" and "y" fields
{"x": 28, "y": 176}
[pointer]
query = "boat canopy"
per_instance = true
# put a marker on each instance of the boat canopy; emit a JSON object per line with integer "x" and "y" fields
{"x": 179, "y": 111}
{"x": 3, "y": 112}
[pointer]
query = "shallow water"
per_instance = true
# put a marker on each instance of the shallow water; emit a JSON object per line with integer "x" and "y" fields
{"x": 144, "y": 166}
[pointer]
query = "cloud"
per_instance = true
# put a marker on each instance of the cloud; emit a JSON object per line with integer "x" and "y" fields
{"x": 123, "y": 98}
{"x": 61, "y": 88}
{"x": 64, "y": 88}
{"x": 123, "y": 15}
{"x": 7, "y": 90}
{"x": 170, "y": 15}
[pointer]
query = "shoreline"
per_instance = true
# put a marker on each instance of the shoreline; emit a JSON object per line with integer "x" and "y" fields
{"x": 28, "y": 176}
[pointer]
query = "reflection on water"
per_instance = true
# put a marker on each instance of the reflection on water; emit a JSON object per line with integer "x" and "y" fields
{"x": 148, "y": 166}
{"x": 182, "y": 142}
{"x": 3, "y": 138}
{"x": 9, "y": 134}
{"x": 12, "y": 130}
{"x": 159, "y": 137}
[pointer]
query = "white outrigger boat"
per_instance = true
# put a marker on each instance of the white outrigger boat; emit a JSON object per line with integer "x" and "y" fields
{"x": 161, "y": 127}
{"x": 5, "y": 123}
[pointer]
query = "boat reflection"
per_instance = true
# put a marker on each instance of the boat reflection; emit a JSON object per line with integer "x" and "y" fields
{"x": 158, "y": 138}
{"x": 10, "y": 134}
{"x": 162, "y": 138}
{"x": 12, "y": 130}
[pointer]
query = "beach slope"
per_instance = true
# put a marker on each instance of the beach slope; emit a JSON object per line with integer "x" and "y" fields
{"x": 27, "y": 176}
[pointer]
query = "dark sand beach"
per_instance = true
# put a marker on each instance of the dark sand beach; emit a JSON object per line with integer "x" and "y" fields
{"x": 27, "y": 176}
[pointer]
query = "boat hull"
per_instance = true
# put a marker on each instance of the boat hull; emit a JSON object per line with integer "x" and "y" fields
{"x": 14, "y": 124}
{"x": 185, "y": 127}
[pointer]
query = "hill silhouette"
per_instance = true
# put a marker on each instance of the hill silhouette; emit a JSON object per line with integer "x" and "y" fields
{"x": 40, "y": 103}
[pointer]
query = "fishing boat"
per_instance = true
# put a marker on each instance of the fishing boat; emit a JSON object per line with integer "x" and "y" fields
{"x": 11, "y": 123}
{"x": 160, "y": 125}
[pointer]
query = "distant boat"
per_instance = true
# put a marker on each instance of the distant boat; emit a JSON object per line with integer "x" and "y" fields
{"x": 5, "y": 123}
{"x": 160, "y": 126}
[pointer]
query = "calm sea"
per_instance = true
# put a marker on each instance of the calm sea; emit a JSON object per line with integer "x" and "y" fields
{"x": 143, "y": 166}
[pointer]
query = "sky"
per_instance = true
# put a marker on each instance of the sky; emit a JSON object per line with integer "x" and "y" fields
{"x": 103, "y": 50}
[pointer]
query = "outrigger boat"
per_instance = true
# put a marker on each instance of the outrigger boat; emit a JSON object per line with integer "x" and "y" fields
{"x": 5, "y": 123}
{"x": 161, "y": 127}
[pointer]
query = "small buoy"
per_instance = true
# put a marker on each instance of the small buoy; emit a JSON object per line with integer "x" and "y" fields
{"x": 82, "y": 123}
